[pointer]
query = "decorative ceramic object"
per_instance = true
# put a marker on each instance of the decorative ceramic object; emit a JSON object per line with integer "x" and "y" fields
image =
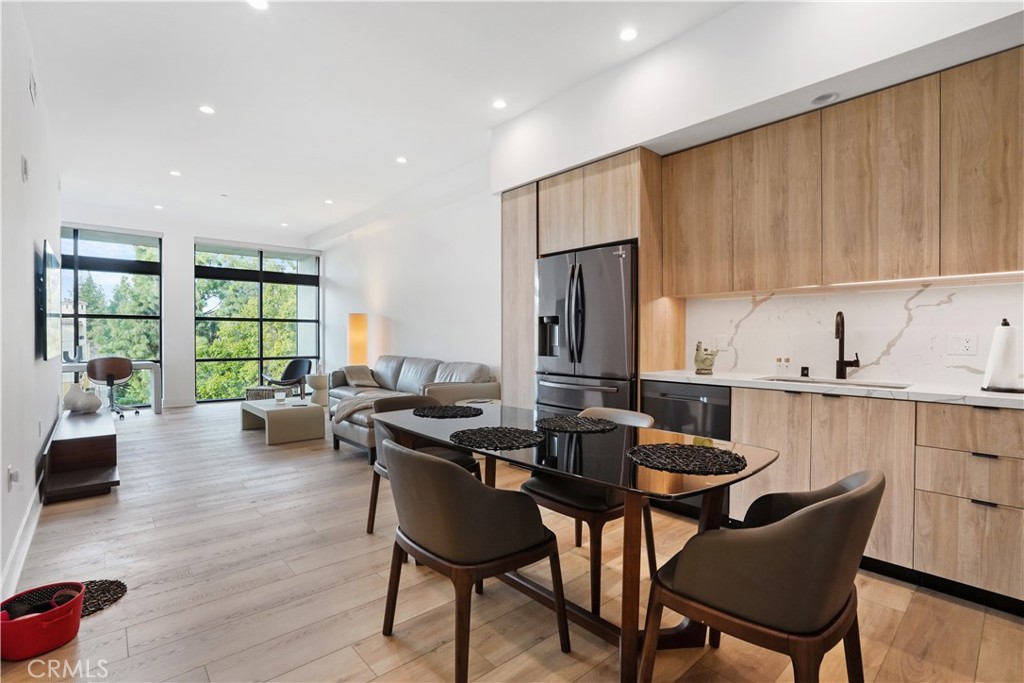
{"x": 704, "y": 359}
{"x": 78, "y": 400}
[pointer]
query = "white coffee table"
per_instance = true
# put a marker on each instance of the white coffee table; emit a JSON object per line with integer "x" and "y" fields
{"x": 291, "y": 420}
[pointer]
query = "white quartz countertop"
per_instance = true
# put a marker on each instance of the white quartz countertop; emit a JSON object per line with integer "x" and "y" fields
{"x": 929, "y": 393}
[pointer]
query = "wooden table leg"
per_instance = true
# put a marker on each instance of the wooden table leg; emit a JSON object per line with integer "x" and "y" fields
{"x": 630, "y": 623}
{"x": 489, "y": 467}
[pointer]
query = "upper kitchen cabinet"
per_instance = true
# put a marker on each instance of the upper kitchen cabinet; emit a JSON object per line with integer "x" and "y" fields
{"x": 776, "y": 180}
{"x": 880, "y": 185}
{"x": 518, "y": 255}
{"x": 560, "y": 207}
{"x": 698, "y": 220}
{"x": 982, "y": 146}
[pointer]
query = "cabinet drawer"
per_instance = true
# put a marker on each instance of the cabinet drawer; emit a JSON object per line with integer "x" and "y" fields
{"x": 995, "y": 431}
{"x": 979, "y": 545}
{"x": 992, "y": 479}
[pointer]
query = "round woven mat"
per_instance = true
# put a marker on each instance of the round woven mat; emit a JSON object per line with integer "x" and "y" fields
{"x": 687, "y": 458}
{"x": 575, "y": 423}
{"x": 101, "y": 593}
{"x": 496, "y": 438}
{"x": 447, "y": 412}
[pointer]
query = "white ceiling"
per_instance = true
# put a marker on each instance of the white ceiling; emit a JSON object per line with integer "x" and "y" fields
{"x": 314, "y": 100}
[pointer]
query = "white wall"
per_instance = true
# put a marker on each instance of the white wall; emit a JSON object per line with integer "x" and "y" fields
{"x": 899, "y": 334}
{"x": 757, "y": 63}
{"x": 30, "y": 389}
{"x": 428, "y": 274}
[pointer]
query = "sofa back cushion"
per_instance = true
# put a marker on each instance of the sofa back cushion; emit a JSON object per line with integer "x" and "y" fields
{"x": 387, "y": 369}
{"x": 463, "y": 372}
{"x": 415, "y": 373}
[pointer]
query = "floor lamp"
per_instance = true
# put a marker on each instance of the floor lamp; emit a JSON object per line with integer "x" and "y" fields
{"x": 357, "y": 339}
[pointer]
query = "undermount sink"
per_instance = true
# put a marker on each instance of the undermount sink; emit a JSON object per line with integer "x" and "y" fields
{"x": 837, "y": 382}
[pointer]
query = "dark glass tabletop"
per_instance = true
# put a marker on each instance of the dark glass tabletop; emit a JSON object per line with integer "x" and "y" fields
{"x": 595, "y": 457}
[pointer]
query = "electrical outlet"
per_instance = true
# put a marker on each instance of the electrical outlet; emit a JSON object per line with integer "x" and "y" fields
{"x": 962, "y": 344}
{"x": 721, "y": 341}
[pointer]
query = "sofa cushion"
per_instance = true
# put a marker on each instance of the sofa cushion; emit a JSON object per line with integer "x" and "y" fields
{"x": 343, "y": 392}
{"x": 387, "y": 369}
{"x": 463, "y": 372}
{"x": 415, "y": 373}
{"x": 363, "y": 417}
{"x": 359, "y": 376}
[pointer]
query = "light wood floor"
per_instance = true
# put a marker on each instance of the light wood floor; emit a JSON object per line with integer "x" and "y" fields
{"x": 251, "y": 562}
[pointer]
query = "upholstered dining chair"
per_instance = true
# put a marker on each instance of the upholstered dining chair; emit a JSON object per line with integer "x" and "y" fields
{"x": 465, "y": 530}
{"x": 593, "y": 504}
{"x": 784, "y": 581}
{"x": 380, "y": 465}
{"x": 294, "y": 375}
{"x": 110, "y": 371}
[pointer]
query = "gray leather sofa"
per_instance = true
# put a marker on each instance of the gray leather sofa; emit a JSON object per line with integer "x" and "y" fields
{"x": 404, "y": 375}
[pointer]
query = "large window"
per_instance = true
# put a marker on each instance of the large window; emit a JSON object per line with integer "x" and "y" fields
{"x": 255, "y": 311}
{"x": 110, "y": 302}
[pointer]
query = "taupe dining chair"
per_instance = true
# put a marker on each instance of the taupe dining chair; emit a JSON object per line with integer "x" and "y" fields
{"x": 465, "y": 530}
{"x": 593, "y": 504}
{"x": 784, "y": 581}
{"x": 110, "y": 371}
{"x": 382, "y": 433}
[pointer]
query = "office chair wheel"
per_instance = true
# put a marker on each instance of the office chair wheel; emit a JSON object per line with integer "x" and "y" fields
{"x": 120, "y": 416}
{"x": 137, "y": 412}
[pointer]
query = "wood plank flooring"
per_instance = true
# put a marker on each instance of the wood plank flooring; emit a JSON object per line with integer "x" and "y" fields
{"x": 250, "y": 562}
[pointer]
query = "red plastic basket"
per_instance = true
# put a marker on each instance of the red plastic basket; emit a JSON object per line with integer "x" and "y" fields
{"x": 35, "y": 634}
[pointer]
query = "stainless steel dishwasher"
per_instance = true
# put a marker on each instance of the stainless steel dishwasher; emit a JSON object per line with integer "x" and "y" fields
{"x": 700, "y": 409}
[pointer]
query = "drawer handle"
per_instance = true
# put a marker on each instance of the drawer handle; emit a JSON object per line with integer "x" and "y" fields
{"x": 835, "y": 396}
{"x": 984, "y": 502}
{"x": 986, "y": 407}
{"x": 985, "y": 455}
{"x": 795, "y": 393}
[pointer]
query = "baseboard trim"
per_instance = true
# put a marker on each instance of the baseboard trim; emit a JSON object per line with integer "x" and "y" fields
{"x": 16, "y": 562}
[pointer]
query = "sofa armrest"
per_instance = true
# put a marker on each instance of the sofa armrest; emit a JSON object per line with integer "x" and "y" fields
{"x": 450, "y": 392}
{"x": 338, "y": 379}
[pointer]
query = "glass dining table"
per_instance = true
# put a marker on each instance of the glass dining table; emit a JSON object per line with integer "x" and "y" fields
{"x": 598, "y": 458}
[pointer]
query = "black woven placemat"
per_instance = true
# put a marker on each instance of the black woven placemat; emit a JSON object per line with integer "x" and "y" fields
{"x": 101, "y": 593}
{"x": 496, "y": 438}
{"x": 683, "y": 458}
{"x": 447, "y": 412}
{"x": 575, "y": 423}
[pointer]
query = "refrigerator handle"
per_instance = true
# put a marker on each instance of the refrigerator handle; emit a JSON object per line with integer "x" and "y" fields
{"x": 570, "y": 306}
{"x": 580, "y": 325}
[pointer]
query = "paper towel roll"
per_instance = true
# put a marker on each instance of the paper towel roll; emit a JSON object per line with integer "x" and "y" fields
{"x": 1005, "y": 362}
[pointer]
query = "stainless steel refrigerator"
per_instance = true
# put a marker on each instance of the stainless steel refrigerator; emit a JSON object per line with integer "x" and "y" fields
{"x": 586, "y": 332}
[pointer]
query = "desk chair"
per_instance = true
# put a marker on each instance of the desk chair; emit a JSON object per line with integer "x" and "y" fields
{"x": 593, "y": 504}
{"x": 783, "y": 581}
{"x": 110, "y": 371}
{"x": 294, "y": 374}
{"x": 465, "y": 530}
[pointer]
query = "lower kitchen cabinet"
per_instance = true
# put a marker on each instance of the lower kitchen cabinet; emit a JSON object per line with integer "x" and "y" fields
{"x": 780, "y": 420}
{"x": 970, "y": 541}
{"x": 849, "y": 434}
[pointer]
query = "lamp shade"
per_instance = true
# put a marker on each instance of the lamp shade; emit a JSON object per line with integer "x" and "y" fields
{"x": 357, "y": 339}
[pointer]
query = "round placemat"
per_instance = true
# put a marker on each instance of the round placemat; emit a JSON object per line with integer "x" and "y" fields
{"x": 101, "y": 593}
{"x": 496, "y": 438}
{"x": 575, "y": 423}
{"x": 447, "y": 412}
{"x": 683, "y": 458}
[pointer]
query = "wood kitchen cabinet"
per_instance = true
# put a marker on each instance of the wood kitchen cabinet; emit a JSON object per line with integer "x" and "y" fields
{"x": 560, "y": 212}
{"x": 698, "y": 220}
{"x": 969, "y": 503}
{"x": 776, "y": 181}
{"x": 518, "y": 255}
{"x": 880, "y": 185}
{"x": 779, "y": 420}
{"x": 849, "y": 434}
{"x": 982, "y": 138}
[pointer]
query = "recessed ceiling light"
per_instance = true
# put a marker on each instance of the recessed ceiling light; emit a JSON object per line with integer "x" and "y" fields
{"x": 401, "y": 160}
{"x": 284, "y": 225}
{"x": 175, "y": 173}
{"x": 207, "y": 109}
{"x": 158, "y": 207}
{"x": 627, "y": 34}
{"x": 259, "y": 4}
{"x": 499, "y": 104}
{"x": 328, "y": 201}
{"x": 826, "y": 98}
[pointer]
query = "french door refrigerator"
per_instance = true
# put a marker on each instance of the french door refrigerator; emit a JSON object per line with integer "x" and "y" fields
{"x": 586, "y": 332}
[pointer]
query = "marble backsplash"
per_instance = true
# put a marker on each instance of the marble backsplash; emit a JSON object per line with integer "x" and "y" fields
{"x": 901, "y": 335}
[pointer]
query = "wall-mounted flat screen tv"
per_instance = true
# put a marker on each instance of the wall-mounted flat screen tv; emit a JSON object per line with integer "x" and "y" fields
{"x": 49, "y": 303}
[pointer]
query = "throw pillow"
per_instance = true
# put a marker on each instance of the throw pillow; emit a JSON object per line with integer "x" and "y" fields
{"x": 359, "y": 376}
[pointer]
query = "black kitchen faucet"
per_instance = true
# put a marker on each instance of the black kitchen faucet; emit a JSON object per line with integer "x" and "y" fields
{"x": 842, "y": 364}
